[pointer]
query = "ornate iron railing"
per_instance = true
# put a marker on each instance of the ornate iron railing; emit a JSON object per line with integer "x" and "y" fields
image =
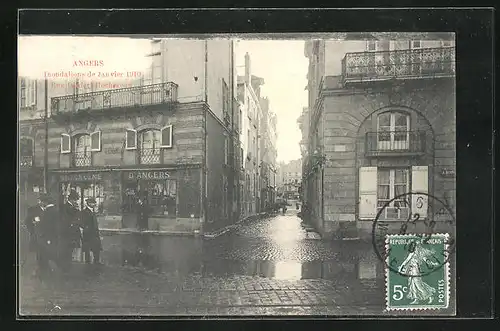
{"x": 149, "y": 155}
{"x": 394, "y": 142}
{"x": 410, "y": 63}
{"x": 82, "y": 159}
{"x": 26, "y": 161}
{"x": 116, "y": 98}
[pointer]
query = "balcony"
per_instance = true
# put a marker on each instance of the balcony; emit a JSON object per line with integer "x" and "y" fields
{"x": 398, "y": 64}
{"x": 26, "y": 161}
{"x": 136, "y": 96}
{"x": 395, "y": 143}
{"x": 82, "y": 159}
{"x": 149, "y": 156}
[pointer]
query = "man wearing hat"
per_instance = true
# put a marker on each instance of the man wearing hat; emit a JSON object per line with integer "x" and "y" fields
{"x": 91, "y": 241}
{"x": 70, "y": 229}
{"x": 45, "y": 230}
{"x": 33, "y": 213}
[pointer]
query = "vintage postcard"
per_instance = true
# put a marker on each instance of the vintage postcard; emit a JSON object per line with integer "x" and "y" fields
{"x": 237, "y": 175}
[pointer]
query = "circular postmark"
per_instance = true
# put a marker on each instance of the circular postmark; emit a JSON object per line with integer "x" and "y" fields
{"x": 414, "y": 224}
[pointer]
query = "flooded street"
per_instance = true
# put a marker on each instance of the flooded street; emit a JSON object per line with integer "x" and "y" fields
{"x": 270, "y": 263}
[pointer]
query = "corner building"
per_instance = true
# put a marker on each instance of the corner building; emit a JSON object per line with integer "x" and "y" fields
{"x": 381, "y": 123}
{"x": 170, "y": 136}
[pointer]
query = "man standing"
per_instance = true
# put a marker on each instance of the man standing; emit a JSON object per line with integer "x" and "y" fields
{"x": 45, "y": 231}
{"x": 69, "y": 230}
{"x": 91, "y": 241}
{"x": 29, "y": 221}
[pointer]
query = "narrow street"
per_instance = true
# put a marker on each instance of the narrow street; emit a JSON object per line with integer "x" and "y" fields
{"x": 269, "y": 266}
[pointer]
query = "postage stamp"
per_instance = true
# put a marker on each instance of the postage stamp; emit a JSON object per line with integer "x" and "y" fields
{"x": 417, "y": 272}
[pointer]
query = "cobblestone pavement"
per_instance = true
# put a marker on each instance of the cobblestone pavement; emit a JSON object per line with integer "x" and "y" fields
{"x": 264, "y": 267}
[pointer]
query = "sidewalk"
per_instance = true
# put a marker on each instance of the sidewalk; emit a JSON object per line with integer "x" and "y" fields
{"x": 211, "y": 234}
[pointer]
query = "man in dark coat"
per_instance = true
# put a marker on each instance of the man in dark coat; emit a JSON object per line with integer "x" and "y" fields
{"x": 143, "y": 212}
{"x": 91, "y": 241}
{"x": 29, "y": 221}
{"x": 45, "y": 230}
{"x": 69, "y": 229}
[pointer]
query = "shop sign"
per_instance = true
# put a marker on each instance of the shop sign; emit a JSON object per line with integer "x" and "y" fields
{"x": 81, "y": 177}
{"x": 134, "y": 175}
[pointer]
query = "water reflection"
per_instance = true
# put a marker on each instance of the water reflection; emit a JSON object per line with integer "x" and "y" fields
{"x": 184, "y": 256}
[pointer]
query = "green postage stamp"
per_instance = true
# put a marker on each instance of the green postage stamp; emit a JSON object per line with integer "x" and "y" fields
{"x": 417, "y": 272}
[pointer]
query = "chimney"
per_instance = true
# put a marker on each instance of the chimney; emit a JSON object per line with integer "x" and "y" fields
{"x": 248, "y": 75}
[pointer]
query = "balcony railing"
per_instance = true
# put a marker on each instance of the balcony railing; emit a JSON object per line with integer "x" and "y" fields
{"x": 82, "y": 159}
{"x": 26, "y": 161}
{"x": 410, "y": 63}
{"x": 149, "y": 155}
{"x": 117, "y": 98}
{"x": 395, "y": 142}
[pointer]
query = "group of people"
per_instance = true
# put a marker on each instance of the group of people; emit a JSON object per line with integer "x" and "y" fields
{"x": 55, "y": 234}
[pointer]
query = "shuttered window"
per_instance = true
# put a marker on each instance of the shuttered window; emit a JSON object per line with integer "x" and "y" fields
{"x": 131, "y": 139}
{"x": 65, "y": 143}
{"x": 166, "y": 136}
{"x": 95, "y": 141}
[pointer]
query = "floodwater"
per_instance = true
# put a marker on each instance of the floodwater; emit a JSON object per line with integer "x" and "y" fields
{"x": 278, "y": 247}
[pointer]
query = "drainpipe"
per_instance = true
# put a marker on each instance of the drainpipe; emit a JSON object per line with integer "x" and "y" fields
{"x": 46, "y": 151}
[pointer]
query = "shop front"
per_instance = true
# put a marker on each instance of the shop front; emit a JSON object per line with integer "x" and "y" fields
{"x": 172, "y": 198}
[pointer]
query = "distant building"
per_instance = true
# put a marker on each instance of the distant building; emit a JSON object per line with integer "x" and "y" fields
{"x": 290, "y": 179}
{"x": 172, "y": 135}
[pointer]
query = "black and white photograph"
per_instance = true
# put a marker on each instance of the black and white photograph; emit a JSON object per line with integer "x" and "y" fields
{"x": 237, "y": 175}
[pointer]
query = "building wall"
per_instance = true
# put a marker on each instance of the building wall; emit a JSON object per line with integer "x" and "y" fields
{"x": 219, "y": 55}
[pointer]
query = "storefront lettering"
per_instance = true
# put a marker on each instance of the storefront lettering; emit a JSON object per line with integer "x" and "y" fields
{"x": 80, "y": 177}
{"x": 148, "y": 175}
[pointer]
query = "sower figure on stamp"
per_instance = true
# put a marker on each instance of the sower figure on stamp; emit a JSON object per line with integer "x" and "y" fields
{"x": 45, "y": 231}
{"x": 69, "y": 230}
{"x": 91, "y": 241}
{"x": 418, "y": 290}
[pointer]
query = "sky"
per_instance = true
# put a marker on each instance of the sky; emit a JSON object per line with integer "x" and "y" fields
{"x": 281, "y": 63}
{"x": 284, "y": 67}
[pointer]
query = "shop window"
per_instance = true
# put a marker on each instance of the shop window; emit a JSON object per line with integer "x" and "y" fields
{"x": 85, "y": 191}
{"x": 161, "y": 196}
{"x": 393, "y": 131}
{"x": 82, "y": 156}
{"x": 150, "y": 147}
{"x": 26, "y": 152}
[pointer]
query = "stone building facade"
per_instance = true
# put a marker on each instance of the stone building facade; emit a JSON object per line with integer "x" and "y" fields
{"x": 381, "y": 124}
{"x": 164, "y": 138}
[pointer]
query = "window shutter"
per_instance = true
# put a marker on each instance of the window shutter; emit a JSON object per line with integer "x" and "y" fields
{"x": 420, "y": 184}
{"x": 166, "y": 136}
{"x": 95, "y": 141}
{"x": 367, "y": 192}
{"x": 65, "y": 143}
{"x": 131, "y": 139}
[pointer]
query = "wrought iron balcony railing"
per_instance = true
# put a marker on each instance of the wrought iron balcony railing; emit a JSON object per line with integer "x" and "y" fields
{"x": 116, "y": 98}
{"x": 149, "y": 155}
{"x": 410, "y": 63}
{"x": 395, "y": 142}
{"x": 82, "y": 159}
{"x": 26, "y": 161}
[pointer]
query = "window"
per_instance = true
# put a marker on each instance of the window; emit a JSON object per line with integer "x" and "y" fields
{"x": 393, "y": 131}
{"x": 26, "y": 152}
{"x": 150, "y": 147}
{"x": 166, "y": 136}
{"x": 94, "y": 190}
{"x": 28, "y": 92}
{"x": 390, "y": 184}
{"x": 161, "y": 196}
{"x": 82, "y": 155}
